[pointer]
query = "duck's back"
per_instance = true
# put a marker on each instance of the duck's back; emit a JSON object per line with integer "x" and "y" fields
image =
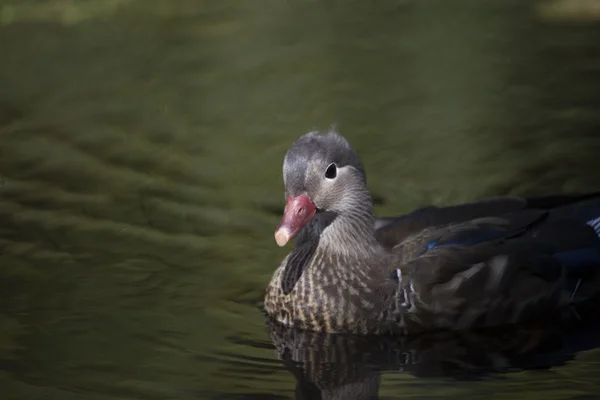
{"x": 411, "y": 230}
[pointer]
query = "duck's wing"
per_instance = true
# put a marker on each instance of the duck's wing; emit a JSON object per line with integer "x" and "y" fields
{"x": 470, "y": 233}
{"x": 498, "y": 270}
{"x": 391, "y": 231}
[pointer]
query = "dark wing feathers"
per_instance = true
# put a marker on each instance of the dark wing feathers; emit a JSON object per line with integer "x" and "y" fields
{"x": 391, "y": 231}
{"x": 470, "y": 233}
{"x": 502, "y": 269}
{"x": 464, "y": 287}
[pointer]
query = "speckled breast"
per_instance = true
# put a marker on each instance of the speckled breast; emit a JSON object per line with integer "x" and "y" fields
{"x": 330, "y": 301}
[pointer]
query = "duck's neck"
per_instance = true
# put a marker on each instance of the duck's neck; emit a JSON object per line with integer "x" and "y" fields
{"x": 347, "y": 234}
{"x": 351, "y": 233}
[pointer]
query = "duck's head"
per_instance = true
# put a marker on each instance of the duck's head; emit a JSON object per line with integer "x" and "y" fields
{"x": 321, "y": 173}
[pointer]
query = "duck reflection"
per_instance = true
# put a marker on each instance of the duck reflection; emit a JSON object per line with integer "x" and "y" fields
{"x": 334, "y": 366}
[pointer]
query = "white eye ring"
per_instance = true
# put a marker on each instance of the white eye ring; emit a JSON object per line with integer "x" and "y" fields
{"x": 331, "y": 171}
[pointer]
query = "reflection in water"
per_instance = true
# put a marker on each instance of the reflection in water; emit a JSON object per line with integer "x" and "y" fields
{"x": 331, "y": 366}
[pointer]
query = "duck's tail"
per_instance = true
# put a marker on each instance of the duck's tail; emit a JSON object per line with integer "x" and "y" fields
{"x": 576, "y": 225}
{"x": 584, "y": 207}
{"x": 561, "y": 200}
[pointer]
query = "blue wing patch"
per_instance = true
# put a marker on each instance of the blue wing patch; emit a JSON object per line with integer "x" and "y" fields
{"x": 464, "y": 237}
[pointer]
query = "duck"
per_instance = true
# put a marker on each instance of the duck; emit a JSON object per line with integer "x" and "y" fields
{"x": 492, "y": 262}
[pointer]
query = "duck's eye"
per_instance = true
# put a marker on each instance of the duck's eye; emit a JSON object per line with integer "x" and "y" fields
{"x": 331, "y": 171}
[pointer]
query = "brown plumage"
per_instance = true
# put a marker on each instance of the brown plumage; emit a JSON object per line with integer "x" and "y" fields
{"x": 495, "y": 262}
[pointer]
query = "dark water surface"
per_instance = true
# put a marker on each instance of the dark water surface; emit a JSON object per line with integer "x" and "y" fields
{"x": 141, "y": 145}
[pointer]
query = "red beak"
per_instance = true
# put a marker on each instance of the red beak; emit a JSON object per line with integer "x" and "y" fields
{"x": 298, "y": 212}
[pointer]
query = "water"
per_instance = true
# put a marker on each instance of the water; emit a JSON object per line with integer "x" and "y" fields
{"x": 141, "y": 145}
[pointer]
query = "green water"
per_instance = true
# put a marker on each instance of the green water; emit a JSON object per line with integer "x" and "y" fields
{"x": 141, "y": 145}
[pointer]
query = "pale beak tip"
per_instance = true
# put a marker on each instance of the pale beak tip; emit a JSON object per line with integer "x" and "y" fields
{"x": 282, "y": 236}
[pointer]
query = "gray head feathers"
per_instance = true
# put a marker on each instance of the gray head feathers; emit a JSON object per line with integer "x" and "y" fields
{"x": 317, "y": 151}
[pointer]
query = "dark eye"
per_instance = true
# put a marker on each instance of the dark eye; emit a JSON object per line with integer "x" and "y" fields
{"x": 331, "y": 171}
